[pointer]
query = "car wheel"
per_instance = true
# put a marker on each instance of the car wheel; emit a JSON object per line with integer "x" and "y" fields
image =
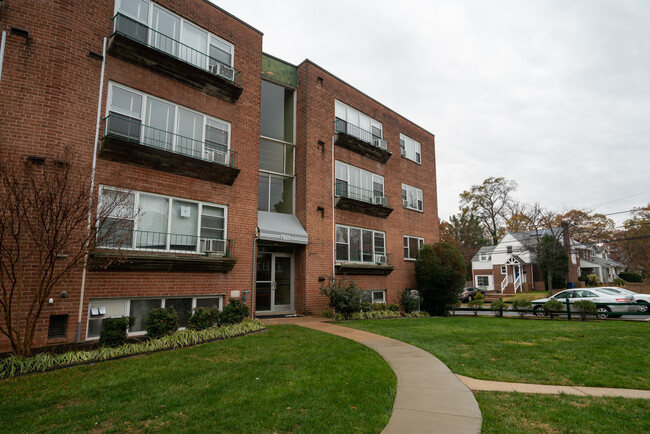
{"x": 643, "y": 306}
{"x": 538, "y": 311}
{"x": 603, "y": 312}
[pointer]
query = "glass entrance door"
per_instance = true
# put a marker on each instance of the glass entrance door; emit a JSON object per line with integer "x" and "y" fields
{"x": 274, "y": 285}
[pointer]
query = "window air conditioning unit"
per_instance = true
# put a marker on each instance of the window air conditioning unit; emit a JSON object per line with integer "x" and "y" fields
{"x": 405, "y": 203}
{"x": 224, "y": 71}
{"x": 380, "y": 143}
{"x": 402, "y": 152}
{"x": 216, "y": 156}
{"x": 214, "y": 246}
{"x": 380, "y": 200}
{"x": 381, "y": 259}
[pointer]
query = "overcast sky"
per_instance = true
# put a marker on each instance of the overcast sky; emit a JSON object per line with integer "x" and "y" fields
{"x": 554, "y": 94}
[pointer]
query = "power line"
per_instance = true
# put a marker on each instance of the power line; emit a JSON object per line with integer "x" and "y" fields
{"x": 621, "y": 198}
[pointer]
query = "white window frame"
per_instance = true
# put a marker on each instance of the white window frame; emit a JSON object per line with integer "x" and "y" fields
{"x": 410, "y": 148}
{"x": 183, "y": 22}
{"x": 346, "y": 178}
{"x": 340, "y": 108}
{"x": 372, "y": 293}
{"x": 418, "y": 194}
{"x": 483, "y": 276}
{"x": 143, "y": 115}
{"x": 170, "y": 200}
{"x": 374, "y": 248}
{"x": 503, "y": 269}
{"x": 407, "y": 246}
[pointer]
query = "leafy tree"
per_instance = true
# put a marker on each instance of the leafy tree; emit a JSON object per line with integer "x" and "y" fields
{"x": 440, "y": 275}
{"x": 587, "y": 228}
{"x": 464, "y": 231}
{"x": 554, "y": 262}
{"x": 636, "y": 244}
{"x": 491, "y": 203}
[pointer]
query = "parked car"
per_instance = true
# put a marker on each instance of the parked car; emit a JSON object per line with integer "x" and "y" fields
{"x": 469, "y": 294}
{"x": 605, "y": 301}
{"x": 641, "y": 299}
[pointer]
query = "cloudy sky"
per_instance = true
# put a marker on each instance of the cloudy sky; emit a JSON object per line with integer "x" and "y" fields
{"x": 554, "y": 94}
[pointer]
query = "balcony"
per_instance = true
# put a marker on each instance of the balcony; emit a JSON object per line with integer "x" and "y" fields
{"x": 378, "y": 264}
{"x": 355, "y": 199}
{"x": 136, "y": 43}
{"x": 126, "y": 140}
{"x": 360, "y": 141}
{"x": 134, "y": 250}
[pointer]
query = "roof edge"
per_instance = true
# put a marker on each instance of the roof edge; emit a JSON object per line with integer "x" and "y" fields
{"x": 233, "y": 16}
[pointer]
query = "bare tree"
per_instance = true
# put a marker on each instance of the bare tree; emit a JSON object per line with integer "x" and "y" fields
{"x": 491, "y": 202}
{"x": 43, "y": 238}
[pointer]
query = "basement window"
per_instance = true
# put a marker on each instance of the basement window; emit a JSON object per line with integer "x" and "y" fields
{"x": 58, "y": 326}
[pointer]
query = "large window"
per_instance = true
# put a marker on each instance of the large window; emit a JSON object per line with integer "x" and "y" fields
{"x": 409, "y": 148}
{"x": 358, "y": 124}
{"x": 277, "y": 149}
{"x": 136, "y": 116}
{"x": 150, "y": 23}
{"x": 412, "y": 246}
{"x": 411, "y": 197}
{"x": 483, "y": 281}
{"x": 358, "y": 184}
{"x": 360, "y": 245}
{"x": 145, "y": 221}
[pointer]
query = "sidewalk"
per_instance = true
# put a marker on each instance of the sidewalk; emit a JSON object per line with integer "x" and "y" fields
{"x": 429, "y": 399}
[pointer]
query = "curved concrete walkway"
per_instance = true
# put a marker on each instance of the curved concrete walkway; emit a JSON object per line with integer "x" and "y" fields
{"x": 429, "y": 399}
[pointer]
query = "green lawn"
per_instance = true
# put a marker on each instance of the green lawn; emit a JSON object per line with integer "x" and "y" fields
{"x": 593, "y": 353}
{"x": 530, "y": 296}
{"x": 519, "y": 413}
{"x": 287, "y": 379}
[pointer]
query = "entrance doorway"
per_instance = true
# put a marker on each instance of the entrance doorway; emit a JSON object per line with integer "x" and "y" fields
{"x": 274, "y": 282}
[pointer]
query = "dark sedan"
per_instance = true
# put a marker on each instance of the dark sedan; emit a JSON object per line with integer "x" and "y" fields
{"x": 469, "y": 294}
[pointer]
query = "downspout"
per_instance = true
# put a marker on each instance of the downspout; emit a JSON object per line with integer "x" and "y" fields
{"x": 2, "y": 50}
{"x": 254, "y": 274}
{"x": 90, "y": 196}
{"x": 333, "y": 220}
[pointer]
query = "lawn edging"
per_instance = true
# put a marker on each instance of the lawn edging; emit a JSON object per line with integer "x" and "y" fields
{"x": 15, "y": 366}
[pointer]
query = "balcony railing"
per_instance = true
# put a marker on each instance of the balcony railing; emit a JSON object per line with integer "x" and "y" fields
{"x": 148, "y": 241}
{"x": 363, "y": 257}
{"x": 342, "y": 188}
{"x": 131, "y": 130}
{"x": 341, "y": 126}
{"x": 149, "y": 37}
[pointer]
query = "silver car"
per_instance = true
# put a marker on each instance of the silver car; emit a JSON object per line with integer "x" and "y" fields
{"x": 606, "y": 302}
{"x": 642, "y": 300}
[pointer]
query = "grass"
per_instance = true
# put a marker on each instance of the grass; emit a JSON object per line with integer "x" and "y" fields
{"x": 598, "y": 353}
{"x": 288, "y": 379}
{"x": 517, "y": 413}
{"x": 530, "y": 296}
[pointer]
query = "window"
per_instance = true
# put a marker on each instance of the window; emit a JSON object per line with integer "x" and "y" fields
{"x": 141, "y": 118}
{"x": 353, "y": 122}
{"x": 409, "y": 148}
{"x": 360, "y": 245}
{"x": 357, "y": 183}
{"x": 277, "y": 149}
{"x": 482, "y": 281}
{"x": 374, "y": 296}
{"x": 483, "y": 257}
{"x": 139, "y": 309}
{"x": 161, "y": 223}
{"x": 412, "y": 246}
{"x": 58, "y": 326}
{"x": 411, "y": 197}
{"x": 508, "y": 249}
{"x": 173, "y": 34}
{"x": 503, "y": 269}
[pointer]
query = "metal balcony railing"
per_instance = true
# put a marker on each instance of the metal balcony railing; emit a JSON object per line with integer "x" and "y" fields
{"x": 343, "y": 189}
{"x": 132, "y": 130}
{"x": 362, "y": 257}
{"x": 149, "y": 241}
{"x": 341, "y": 126}
{"x": 145, "y": 35}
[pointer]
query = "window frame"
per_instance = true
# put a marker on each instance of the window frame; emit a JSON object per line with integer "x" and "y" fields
{"x": 374, "y": 177}
{"x": 483, "y": 276}
{"x": 361, "y": 250}
{"x": 405, "y": 142}
{"x": 418, "y": 194}
{"x": 135, "y": 219}
{"x": 503, "y": 269}
{"x": 373, "y": 122}
{"x": 407, "y": 246}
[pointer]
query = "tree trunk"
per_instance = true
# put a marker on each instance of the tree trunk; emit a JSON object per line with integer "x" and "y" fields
{"x": 549, "y": 281}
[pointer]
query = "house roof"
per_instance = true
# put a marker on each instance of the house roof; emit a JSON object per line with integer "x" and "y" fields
{"x": 484, "y": 249}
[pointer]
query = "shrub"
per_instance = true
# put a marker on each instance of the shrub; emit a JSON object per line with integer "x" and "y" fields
{"x": 393, "y": 307}
{"x": 479, "y": 296}
{"x": 522, "y": 306}
{"x": 630, "y": 276}
{"x": 345, "y": 297}
{"x": 498, "y": 306}
{"x": 114, "y": 331}
{"x": 440, "y": 273}
{"x": 592, "y": 281}
{"x": 375, "y": 314}
{"x": 418, "y": 315}
{"x": 553, "y": 308}
{"x": 476, "y": 304}
{"x": 619, "y": 282}
{"x": 327, "y": 314}
{"x": 234, "y": 312}
{"x": 202, "y": 318}
{"x": 455, "y": 307}
{"x": 161, "y": 321}
{"x": 586, "y": 308}
{"x": 408, "y": 302}
{"x": 582, "y": 278}
{"x": 377, "y": 306}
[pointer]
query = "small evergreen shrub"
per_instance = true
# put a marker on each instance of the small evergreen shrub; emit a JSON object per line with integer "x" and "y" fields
{"x": 203, "y": 318}
{"x": 582, "y": 278}
{"x": 593, "y": 281}
{"x": 619, "y": 282}
{"x": 522, "y": 306}
{"x": 345, "y": 297}
{"x": 553, "y": 307}
{"x": 476, "y": 304}
{"x": 234, "y": 312}
{"x": 630, "y": 276}
{"x": 498, "y": 306}
{"x": 393, "y": 307}
{"x": 409, "y": 303}
{"x": 585, "y": 308}
{"x": 377, "y": 306}
{"x": 327, "y": 314}
{"x": 114, "y": 331}
{"x": 455, "y": 307}
{"x": 161, "y": 321}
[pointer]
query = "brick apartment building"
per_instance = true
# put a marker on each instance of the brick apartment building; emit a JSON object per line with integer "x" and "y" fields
{"x": 239, "y": 174}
